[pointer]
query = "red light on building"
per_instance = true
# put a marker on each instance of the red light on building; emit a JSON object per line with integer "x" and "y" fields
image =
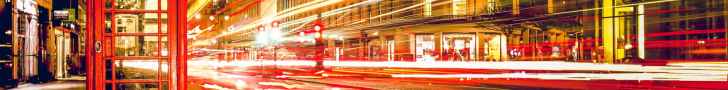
{"x": 260, "y": 28}
{"x": 275, "y": 24}
{"x": 317, "y": 28}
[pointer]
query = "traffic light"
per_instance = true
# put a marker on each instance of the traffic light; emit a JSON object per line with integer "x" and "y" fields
{"x": 318, "y": 27}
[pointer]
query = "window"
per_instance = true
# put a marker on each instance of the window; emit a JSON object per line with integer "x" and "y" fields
{"x": 459, "y": 7}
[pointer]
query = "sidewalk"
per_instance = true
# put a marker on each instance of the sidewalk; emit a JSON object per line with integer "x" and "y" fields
{"x": 54, "y": 85}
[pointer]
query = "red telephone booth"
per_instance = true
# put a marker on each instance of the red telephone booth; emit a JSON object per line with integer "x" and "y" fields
{"x": 135, "y": 44}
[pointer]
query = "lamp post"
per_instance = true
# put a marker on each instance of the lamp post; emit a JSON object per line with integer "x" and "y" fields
{"x": 318, "y": 27}
{"x": 270, "y": 36}
{"x": 276, "y": 36}
{"x": 318, "y": 45}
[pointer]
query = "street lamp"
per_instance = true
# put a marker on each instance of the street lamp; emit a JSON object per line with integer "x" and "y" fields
{"x": 197, "y": 16}
{"x": 270, "y": 36}
{"x": 319, "y": 28}
{"x": 275, "y": 24}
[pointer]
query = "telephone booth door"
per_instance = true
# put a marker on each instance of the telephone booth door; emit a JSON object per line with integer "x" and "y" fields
{"x": 136, "y": 44}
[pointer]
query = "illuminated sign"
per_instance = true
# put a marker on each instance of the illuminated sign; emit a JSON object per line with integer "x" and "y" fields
{"x": 27, "y": 6}
{"x": 61, "y": 14}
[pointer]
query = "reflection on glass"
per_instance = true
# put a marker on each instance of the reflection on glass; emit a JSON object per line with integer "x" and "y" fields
{"x": 141, "y": 23}
{"x": 459, "y": 46}
{"x": 140, "y": 46}
{"x": 140, "y": 86}
{"x": 139, "y": 69}
{"x": 139, "y": 4}
{"x": 425, "y": 47}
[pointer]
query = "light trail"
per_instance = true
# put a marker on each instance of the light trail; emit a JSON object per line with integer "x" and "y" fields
{"x": 578, "y": 76}
{"x": 195, "y": 8}
{"x": 291, "y": 11}
{"x": 347, "y": 9}
{"x": 675, "y": 71}
{"x": 382, "y": 15}
{"x": 510, "y": 65}
{"x": 325, "y": 14}
{"x": 267, "y": 19}
{"x": 700, "y": 68}
{"x": 302, "y": 8}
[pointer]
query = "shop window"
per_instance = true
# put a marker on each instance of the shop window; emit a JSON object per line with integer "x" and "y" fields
{"x": 459, "y": 46}
{"x": 425, "y": 47}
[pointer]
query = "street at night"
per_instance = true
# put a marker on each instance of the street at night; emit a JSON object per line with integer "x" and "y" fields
{"x": 364, "y": 45}
{"x": 469, "y": 75}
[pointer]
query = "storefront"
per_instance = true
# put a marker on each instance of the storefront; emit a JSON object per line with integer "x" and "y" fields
{"x": 458, "y": 42}
{"x": 458, "y": 46}
{"x": 425, "y": 47}
{"x": 63, "y": 44}
{"x": 25, "y": 40}
{"x": 495, "y": 47}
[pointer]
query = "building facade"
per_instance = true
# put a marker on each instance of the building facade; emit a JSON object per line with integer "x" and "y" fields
{"x": 606, "y": 31}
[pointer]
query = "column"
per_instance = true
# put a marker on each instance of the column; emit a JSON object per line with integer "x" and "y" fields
{"x": 396, "y": 38}
{"x": 516, "y": 7}
{"x": 641, "y": 31}
{"x": 550, "y": 6}
{"x": 382, "y": 44}
{"x": 438, "y": 44}
{"x": 14, "y": 27}
{"x": 427, "y": 8}
{"x": 608, "y": 30}
{"x": 330, "y": 46}
{"x": 480, "y": 42}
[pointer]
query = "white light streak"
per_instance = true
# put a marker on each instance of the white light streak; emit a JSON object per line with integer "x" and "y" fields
{"x": 577, "y": 76}
{"x": 676, "y": 71}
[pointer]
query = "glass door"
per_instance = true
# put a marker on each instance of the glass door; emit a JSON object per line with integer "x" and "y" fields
{"x": 425, "y": 47}
{"x": 459, "y": 46}
{"x": 138, "y": 36}
{"x": 136, "y": 44}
